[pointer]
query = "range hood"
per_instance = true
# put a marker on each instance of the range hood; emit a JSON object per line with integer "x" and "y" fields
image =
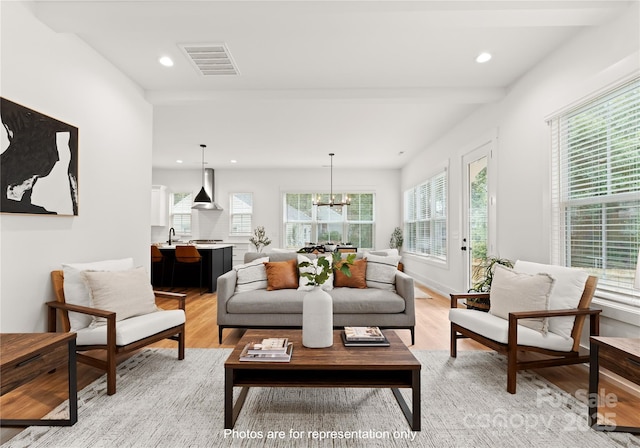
{"x": 208, "y": 187}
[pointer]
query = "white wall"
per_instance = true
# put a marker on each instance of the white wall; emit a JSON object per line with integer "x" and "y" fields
{"x": 60, "y": 76}
{"x": 268, "y": 186}
{"x": 592, "y": 61}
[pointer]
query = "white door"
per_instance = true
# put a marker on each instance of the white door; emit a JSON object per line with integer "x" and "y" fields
{"x": 478, "y": 208}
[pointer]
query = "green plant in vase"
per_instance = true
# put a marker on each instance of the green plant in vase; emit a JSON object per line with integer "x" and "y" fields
{"x": 483, "y": 276}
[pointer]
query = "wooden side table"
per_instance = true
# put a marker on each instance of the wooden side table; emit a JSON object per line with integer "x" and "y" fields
{"x": 25, "y": 356}
{"x": 622, "y": 357}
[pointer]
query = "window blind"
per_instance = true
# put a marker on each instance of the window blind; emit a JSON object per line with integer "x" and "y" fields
{"x": 596, "y": 188}
{"x": 241, "y": 214}
{"x": 425, "y": 217}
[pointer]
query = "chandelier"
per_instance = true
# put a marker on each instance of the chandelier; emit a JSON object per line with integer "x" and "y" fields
{"x": 332, "y": 202}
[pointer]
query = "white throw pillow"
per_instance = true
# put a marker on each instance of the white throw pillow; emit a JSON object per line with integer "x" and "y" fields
{"x": 381, "y": 271}
{"x": 513, "y": 291}
{"x": 303, "y": 282}
{"x": 566, "y": 293}
{"x": 251, "y": 276}
{"x": 75, "y": 288}
{"x": 127, "y": 293}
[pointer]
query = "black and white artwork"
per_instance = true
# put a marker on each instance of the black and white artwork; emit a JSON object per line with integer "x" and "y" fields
{"x": 38, "y": 163}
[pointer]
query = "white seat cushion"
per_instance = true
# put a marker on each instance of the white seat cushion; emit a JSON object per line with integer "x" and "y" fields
{"x": 132, "y": 329}
{"x": 566, "y": 292}
{"x": 497, "y": 329}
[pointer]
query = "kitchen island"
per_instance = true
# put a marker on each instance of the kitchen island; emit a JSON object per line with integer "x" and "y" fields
{"x": 216, "y": 260}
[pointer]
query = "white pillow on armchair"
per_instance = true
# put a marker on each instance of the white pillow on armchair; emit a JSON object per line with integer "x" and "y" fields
{"x": 76, "y": 291}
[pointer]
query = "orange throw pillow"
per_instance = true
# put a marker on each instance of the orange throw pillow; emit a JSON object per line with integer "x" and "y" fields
{"x": 357, "y": 280}
{"x": 282, "y": 274}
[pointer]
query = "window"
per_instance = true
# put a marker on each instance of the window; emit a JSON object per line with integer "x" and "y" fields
{"x": 181, "y": 213}
{"x": 596, "y": 189}
{"x": 241, "y": 214}
{"x": 304, "y": 223}
{"x": 425, "y": 218}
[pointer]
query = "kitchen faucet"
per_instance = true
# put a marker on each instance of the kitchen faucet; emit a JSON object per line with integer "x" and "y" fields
{"x": 174, "y": 234}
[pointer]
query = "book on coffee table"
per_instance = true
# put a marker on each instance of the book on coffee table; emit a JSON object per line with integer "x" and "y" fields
{"x": 268, "y": 345}
{"x": 365, "y": 334}
{"x": 375, "y": 343}
{"x": 266, "y": 357}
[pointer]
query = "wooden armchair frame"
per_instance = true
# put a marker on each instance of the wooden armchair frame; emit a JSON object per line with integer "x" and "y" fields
{"x": 60, "y": 308}
{"x": 511, "y": 348}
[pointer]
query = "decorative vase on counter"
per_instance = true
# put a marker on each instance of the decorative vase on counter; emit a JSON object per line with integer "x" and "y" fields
{"x": 317, "y": 319}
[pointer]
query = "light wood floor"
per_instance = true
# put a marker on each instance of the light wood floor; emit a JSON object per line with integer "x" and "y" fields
{"x": 40, "y": 396}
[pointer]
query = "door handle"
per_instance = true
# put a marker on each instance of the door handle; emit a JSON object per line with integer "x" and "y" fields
{"x": 464, "y": 244}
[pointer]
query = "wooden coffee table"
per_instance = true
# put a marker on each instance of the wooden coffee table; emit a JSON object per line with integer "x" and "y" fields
{"x": 394, "y": 367}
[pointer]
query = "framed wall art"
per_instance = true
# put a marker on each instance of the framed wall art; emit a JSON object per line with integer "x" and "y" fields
{"x": 38, "y": 163}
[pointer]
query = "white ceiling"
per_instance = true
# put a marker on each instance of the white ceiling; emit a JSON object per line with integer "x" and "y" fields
{"x": 373, "y": 81}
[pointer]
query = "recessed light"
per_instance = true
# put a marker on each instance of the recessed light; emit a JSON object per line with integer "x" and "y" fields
{"x": 233, "y": 161}
{"x": 178, "y": 161}
{"x": 166, "y": 61}
{"x": 483, "y": 57}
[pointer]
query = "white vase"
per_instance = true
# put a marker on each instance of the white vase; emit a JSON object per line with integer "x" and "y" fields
{"x": 317, "y": 319}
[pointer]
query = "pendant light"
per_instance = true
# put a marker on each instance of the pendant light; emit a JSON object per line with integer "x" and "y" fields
{"x": 202, "y": 196}
{"x": 332, "y": 202}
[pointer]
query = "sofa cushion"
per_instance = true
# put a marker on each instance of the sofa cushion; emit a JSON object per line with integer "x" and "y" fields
{"x": 76, "y": 291}
{"x": 282, "y": 301}
{"x": 126, "y": 293}
{"x": 497, "y": 329}
{"x": 303, "y": 282}
{"x": 289, "y": 301}
{"x": 366, "y": 301}
{"x": 358, "y": 275}
{"x": 513, "y": 291}
{"x": 251, "y": 275}
{"x": 282, "y": 274}
{"x": 132, "y": 329}
{"x": 566, "y": 292}
{"x": 381, "y": 271}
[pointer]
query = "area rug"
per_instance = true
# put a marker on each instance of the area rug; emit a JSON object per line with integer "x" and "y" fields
{"x": 163, "y": 402}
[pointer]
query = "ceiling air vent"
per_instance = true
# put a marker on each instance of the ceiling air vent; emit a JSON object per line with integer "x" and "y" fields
{"x": 211, "y": 59}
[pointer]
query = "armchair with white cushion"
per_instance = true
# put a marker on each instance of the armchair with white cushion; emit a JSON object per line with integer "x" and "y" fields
{"x": 534, "y": 307}
{"x": 110, "y": 305}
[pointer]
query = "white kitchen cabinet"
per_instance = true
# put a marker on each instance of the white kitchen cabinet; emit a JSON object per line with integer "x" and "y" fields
{"x": 159, "y": 205}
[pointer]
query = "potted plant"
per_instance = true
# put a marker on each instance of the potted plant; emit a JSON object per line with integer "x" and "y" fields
{"x": 483, "y": 276}
{"x": 396, "y": 239}
{"x": 259, "y": 238}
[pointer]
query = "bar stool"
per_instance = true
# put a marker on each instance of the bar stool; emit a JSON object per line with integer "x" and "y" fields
{"x": 157, "y": 257}
{"x": 187, "y": 255}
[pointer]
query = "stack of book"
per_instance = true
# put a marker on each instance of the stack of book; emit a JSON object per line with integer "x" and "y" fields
{"x": 268, "y": 350}
{"x": 364, "y": 337}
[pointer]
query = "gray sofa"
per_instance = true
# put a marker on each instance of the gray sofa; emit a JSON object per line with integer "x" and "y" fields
{"x": 283, "y": 308}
